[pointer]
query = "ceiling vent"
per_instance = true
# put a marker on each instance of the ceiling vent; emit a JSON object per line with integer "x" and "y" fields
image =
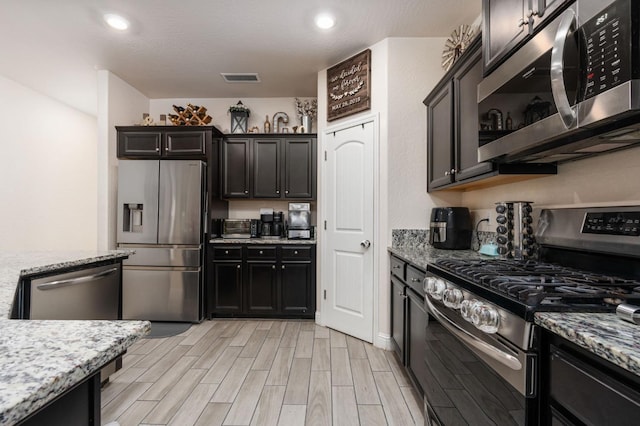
{"x": 240, "y": 77}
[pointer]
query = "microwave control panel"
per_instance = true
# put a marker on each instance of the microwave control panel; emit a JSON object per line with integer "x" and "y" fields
{"x": 608, "y": 44}
{"x": 612, "y": 223}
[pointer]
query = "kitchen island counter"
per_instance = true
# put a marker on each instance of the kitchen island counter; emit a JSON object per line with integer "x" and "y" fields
{"x": 17, "y": 265}
{"x": 43, "y": 360}
{"x": 605, "y": 335}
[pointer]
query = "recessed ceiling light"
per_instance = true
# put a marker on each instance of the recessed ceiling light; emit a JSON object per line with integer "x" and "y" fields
{"x": 325, "y": 21}
{"x": 116, "y": 21}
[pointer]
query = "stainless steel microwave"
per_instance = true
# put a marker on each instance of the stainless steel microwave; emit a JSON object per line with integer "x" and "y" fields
{"x": 571, "y": 91}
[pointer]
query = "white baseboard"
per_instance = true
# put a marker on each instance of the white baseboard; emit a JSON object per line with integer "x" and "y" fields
{"x": 383, "y": 341}
{"x": 319, "y": 318}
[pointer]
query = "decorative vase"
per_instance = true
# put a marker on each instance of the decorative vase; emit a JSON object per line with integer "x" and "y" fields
{"x": 306, "y": 123}
{"x": 239, "y": 122}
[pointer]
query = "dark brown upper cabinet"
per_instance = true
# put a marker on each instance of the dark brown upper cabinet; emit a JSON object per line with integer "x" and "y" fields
{"x": 453, "y": 135}
{"x": 155, "y": 142}
{"x": 269, "y": 166}
{"x": 506, "y": 24}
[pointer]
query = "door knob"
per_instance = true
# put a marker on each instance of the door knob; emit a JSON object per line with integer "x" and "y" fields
{"x": 366, "y": 244}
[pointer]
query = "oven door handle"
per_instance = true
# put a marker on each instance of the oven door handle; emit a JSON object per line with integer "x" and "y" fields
{"x": 495, "y": 353}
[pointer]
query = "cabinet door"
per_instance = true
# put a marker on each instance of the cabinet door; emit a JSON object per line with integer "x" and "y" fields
{"x": 297, "y": 290}
{"x": 544, "y": 9}
{"x": 465, "y": 85}
{"x": 139, "y": 144}
{"x": 416, "y": 336}
{"x": 191, "y": 144}
{"x": 266, "y": 168}
{"x": 440, "y": 138}
{"x": 299, "y": 168}
{"x": 262, "y": 287}
{"x": 504, "y": 25}
{"x": 397, "y": 317}
{"x": 226, "y": 294}
{"x": 235, "y": 168}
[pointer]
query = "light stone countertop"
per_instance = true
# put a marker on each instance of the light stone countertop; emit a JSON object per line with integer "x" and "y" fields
{"x": 15, "y": 265}
{"x": 422, "y": 256}
{"x": 41, "y": 360}
{"x": 605, "y": 335}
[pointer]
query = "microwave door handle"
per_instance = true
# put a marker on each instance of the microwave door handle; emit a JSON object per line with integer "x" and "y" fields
{"x": 567, "y": 114}
{"x": 495, "y": 353}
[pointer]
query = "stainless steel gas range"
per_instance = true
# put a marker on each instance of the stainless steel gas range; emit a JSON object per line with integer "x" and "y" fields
{"x": 482, "y": 344}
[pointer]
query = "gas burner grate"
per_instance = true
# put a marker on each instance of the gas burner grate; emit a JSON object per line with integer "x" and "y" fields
{"x": 544, "y": 284}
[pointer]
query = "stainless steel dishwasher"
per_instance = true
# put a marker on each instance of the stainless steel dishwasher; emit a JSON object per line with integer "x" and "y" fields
{"x": 87, "y": 294}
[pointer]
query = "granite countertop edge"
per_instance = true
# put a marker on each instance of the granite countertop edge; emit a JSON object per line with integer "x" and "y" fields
{"x": 66, "y": 353}
{"x": 603, "y": 334}
{"x": 16, "y": 265}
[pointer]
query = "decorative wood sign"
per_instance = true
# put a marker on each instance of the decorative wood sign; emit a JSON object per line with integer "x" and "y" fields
{"x": 349, "y": 86}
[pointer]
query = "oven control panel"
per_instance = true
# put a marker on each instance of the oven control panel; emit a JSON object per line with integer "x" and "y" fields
{"x": 612, "y": 223}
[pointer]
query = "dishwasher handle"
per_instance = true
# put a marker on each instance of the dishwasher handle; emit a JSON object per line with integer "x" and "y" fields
{"x": 76, "y": 281}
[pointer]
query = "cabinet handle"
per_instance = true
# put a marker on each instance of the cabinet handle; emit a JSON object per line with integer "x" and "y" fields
{"x": 277, "y": 192}
{"x": 157, "y": 149}
{"x": 446, "y": 173}
{"x": 166, "y": 148}
{"x": 522, "y": 22}
{"x": 282, "y": 266}
{"x": 415, "y": 280}
{"x": 453, "y": 171}
{"x": 261, "y": 252}
{"x": 286, "y": 192}
{"x": 226, "y": 252}
{"x": 400, "y": 293}
{"x": 238, "y": 266}
{"x": 273, "y": 266}
{"x": 295, "y": 252}
{"x": 246, "y": 192}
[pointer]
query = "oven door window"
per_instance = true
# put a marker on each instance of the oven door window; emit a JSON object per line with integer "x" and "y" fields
{"x": 462, "y": 389}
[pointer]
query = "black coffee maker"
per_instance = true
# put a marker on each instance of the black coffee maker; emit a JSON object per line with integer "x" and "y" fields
{"x": 278, "y": 224}
{"x": 450, "y": 228}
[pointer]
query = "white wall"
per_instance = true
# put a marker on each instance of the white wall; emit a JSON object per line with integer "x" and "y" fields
{"x": 119, "y": 104}
{"x": 414, "y": 69}
{"x": 48, "y": 172}
{"x": 218, "y": 109}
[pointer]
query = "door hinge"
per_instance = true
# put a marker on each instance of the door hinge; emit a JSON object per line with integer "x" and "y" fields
{"x": 325, "y": 225}
{"x": 325, "y": 295}
{"x": 325, "y": 156}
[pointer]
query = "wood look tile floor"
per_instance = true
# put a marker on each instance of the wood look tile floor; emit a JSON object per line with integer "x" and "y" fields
{"x": 259, "y": 372}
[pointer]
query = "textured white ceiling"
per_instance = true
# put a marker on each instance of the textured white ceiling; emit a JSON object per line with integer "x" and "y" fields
{"x": 179, "y": 48}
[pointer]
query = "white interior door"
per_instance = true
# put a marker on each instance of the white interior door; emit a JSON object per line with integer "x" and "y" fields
{"x": 348, "y": 254}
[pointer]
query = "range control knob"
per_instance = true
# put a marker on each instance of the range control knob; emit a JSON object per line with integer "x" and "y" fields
{"x": 466, "y": 308}
{"x": 486, "y": 318}
{"x": 435, "y": 287}
{"x": 452, "y": 298}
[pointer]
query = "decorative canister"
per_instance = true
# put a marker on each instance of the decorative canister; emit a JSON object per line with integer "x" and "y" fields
{"x": 306, "y": 123}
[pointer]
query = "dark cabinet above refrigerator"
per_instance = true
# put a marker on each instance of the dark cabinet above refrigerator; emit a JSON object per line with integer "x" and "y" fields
{"x": 155, "y": 142}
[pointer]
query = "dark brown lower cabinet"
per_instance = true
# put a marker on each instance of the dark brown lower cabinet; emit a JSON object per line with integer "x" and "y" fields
{"x": 409, "y": 320}
{"x": 225, "y": 293}
{"x": 258, "y": 280}
{"x": 262, "y": 287}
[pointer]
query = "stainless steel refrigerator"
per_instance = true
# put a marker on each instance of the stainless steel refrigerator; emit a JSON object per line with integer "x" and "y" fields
{"x": 161, "y": 215}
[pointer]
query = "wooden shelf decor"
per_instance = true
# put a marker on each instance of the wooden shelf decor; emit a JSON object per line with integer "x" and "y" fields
{"x": 192, "y": 115}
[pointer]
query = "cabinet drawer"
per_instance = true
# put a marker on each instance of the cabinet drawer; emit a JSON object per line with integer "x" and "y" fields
{"x": 296, "y": 253}
{"x": 414, "y": 279}
{"x": 266, "y": 253}
{"x": 227, "y": 253}
{"x": 397, "y": 267}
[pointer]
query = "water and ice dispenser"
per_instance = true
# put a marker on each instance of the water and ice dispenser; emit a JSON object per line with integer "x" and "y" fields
{"x": 132, "y": 217}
